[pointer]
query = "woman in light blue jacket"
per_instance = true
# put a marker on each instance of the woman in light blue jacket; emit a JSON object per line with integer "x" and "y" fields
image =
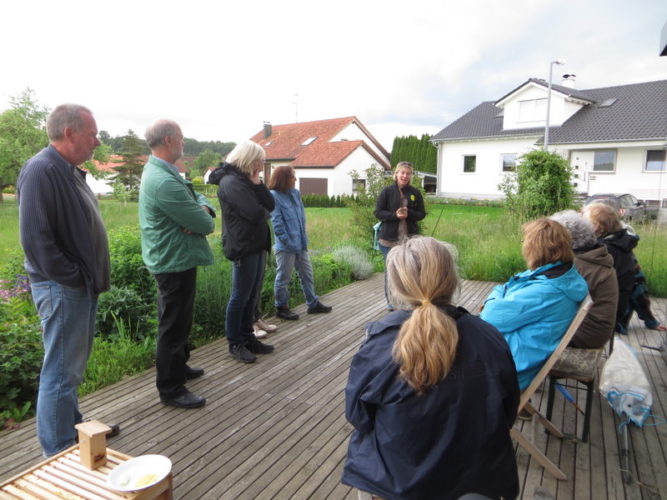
{"x": 534, "y": 308}
{"x": 289, "y": 228}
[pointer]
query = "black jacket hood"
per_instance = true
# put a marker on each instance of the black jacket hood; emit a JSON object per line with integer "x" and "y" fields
{"x": 221, "y": 170}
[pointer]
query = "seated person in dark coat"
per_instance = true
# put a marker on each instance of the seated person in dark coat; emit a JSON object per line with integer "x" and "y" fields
{"x": 432, "y": 393}
{"x": 620, "y": 241}
{"x": 597, "y": 267}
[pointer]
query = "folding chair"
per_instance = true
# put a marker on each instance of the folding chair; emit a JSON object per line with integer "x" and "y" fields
{"x": 524, "y": 402}
{"x": 580, "y": 365}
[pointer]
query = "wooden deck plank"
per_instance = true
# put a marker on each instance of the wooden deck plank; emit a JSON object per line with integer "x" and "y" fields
{"x": 276, "y": 429}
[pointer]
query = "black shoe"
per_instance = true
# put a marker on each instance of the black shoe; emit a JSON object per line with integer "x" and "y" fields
{"x": 185, "y": 400}
{"x": 192, "y": 373}
{"x": 257, "y": 347}
{"x": 319, "y": 308}
{"x": 115, "y": 430}
{"x": 241, "y": 353}
{"x": 285, "y": 313}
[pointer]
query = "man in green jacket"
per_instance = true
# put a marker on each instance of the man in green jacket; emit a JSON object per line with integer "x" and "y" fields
{"x": 174, "y": 222}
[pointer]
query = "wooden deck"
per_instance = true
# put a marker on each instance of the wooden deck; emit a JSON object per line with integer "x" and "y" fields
{"x": 276, "y": 429}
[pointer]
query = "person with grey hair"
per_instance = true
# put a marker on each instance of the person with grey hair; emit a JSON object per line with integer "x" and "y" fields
{"x": 246, "y": 206}
{"x": 67, "y": 260}
{"x": 174, "y": 221}
{"x": 597, "y": 267}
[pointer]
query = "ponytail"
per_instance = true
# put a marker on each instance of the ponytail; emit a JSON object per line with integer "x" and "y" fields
{"x": 422, "y": 274}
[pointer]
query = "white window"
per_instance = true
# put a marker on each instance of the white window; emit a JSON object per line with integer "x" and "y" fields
{"x": 308, "y": 141}
{"x": 604, "y": 161}
{"x": 508, "y": 162}
{"x": 469, "y": 164}
{"x": 655, "y": 161}
{"x": 533, "y": 110}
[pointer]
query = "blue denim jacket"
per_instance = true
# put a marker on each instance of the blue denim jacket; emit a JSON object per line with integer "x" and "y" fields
{"x": 289, "y": 222}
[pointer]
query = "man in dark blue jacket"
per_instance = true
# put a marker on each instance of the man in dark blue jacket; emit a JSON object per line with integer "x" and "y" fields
{"x": 67, "y": 259}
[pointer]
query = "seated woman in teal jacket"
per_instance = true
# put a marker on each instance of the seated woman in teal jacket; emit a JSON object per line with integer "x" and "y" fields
{"x": 534, "y": 308}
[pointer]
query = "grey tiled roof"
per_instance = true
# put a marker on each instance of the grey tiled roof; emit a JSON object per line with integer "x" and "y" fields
{"x": 578, "y": 94}
{"x": 639, "y": 112}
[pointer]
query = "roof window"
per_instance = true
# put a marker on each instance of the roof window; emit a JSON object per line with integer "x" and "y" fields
{"x": 308, "y": 141}
{"x": 607, "y": 102}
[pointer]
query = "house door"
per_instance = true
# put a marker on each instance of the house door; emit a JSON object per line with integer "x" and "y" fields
{"x": 309, "y": 185}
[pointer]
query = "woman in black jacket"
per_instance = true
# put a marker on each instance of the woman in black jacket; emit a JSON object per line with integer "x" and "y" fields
{"x": 432, "y": 393}
{"x": 246, "y": 206}
{"x": 400, "y": 207}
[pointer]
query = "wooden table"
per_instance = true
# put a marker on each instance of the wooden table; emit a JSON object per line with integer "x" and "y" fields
{"x": 63, "y": 476}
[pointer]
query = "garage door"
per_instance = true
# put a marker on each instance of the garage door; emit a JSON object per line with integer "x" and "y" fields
{"x": 309, "y": 185}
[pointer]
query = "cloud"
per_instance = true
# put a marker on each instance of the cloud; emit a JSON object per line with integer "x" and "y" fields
{"x": 221, "y": 69}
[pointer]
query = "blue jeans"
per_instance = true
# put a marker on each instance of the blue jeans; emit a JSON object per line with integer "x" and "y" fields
{"x": 246, "y": 273}
{"x": 286, "y": 262}
{"x": 68, "y": 324}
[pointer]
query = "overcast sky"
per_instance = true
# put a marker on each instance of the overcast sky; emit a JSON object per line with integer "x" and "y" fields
{"x": 402, "y": 67}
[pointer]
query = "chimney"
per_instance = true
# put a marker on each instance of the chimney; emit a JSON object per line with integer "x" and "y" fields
{"x": 568, "y": 80}
{"x": 267, "y": 130}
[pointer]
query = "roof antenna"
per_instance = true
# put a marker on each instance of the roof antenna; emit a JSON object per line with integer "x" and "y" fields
{"x": 296, "y": 107}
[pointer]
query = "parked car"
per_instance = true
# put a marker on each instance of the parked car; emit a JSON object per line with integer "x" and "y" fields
{"x": 627, "y": 205}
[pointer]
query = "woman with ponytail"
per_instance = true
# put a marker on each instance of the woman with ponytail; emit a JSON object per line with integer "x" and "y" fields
{"x": 432, "y": 393}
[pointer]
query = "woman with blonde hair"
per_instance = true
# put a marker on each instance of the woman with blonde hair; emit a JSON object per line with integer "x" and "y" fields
{"x": 534, "y": 308}
{"x": 432, "y": 393}
{"x": 246, "y": 208}
{"x": 400, "y": 207}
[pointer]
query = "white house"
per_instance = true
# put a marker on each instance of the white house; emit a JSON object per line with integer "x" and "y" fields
{"x": 613, "y": 137}
{"x": 323, "y": 153}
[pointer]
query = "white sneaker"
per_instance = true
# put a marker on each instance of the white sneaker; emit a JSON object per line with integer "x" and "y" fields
{"x": 259, "y": 333}
{"x": 262, "y": 325}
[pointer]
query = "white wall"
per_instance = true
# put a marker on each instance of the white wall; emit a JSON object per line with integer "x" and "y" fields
{"x": 629, "y": 175}
{"x": 339, "y": 178}
{"x": 561, "y": 109}
{"x": 101, "y": 186}
{"x": 483, "y": 184}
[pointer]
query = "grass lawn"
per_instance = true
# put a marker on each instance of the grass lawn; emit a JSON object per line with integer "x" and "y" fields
{"x": 489, "y": 242}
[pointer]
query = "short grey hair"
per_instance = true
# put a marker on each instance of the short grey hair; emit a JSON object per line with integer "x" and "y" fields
{"x": 65, "y": 116}
{"x": 583, "y": 234}
{"x": 244, "y": 155}
{"x": 158, "y": 131}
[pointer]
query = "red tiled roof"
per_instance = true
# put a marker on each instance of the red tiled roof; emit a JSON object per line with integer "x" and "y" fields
{"x": 286, "y": 143}
{"x": 115, "y": 159}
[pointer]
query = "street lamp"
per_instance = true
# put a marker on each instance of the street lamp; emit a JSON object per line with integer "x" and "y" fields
{"x": 560, "y": 62}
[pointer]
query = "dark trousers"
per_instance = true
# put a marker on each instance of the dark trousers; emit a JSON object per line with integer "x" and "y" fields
{"x": 246, "y": 274}
{"x": 175, "y": 306}
{"x": 260, "y": 282}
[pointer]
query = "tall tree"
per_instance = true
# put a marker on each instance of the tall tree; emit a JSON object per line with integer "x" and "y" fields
{"x": 22, "y": 134}
{"x": 102, "y": 154}
{"x": 206, "y": 158}
{"x": 131, "y": 162}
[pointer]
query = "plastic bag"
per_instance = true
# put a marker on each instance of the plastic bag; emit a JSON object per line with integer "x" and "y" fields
{"x": 625, "y": 385}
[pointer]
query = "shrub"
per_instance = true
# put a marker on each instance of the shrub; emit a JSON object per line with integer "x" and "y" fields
{"x": 323, "y": 200}
{"x": 20, "y": 359}
{"x": 111, "y": 360}
{"x": 213, "y": 287}
{"x": 126, "y": 308}
{"x": 127, "y": 265}
{"x": 361, "y": 265}
{"x": 540, "y": 186}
